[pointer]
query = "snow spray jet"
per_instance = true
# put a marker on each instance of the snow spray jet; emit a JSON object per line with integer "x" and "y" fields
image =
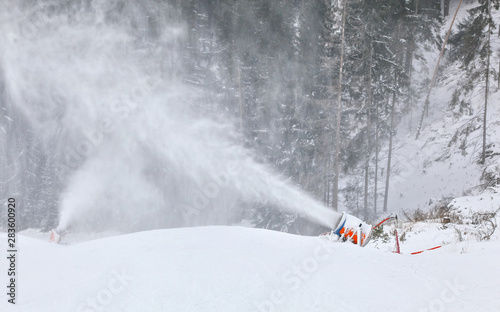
{"x": 102, "y": 84}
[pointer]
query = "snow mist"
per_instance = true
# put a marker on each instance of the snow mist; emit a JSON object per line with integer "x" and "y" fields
{"x": 101, "y": 84}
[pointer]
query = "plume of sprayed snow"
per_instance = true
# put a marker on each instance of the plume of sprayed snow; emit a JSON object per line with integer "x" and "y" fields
{"x": 101, "y": 83}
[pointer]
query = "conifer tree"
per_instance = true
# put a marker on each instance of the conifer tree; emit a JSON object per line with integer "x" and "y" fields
{"x": 472, "y": 48}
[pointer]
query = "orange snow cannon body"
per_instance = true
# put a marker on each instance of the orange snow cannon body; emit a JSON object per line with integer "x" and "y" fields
{"x": 55, "y": 237}
{"x": 353, "y": 229}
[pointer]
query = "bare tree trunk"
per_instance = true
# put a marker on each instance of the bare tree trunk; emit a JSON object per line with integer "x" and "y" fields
{"x": 446, "y": 8}
{"x": 498, "y": 76}
{"x": 399, "y": 62}
{"x": 483, "y": 155}
{"x": 240, "y": 99}
{"x": 367, "y": 167}
{"x": 368, "y": 127}
{"x": 375, "y": 192}
{"x": 326, "y": 167}
{"x": 498, "y": 63}
{"x": 426, "y": 104}
{"x": 335, "y": 194}
{"x": 409, "y": 70}
{"x": 410, "y": 51}
{"x": 389, "y": 157}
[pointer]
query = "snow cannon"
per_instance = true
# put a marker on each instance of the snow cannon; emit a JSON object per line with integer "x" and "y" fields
{"x": 350, "y": 228}
{"x": 55, "y": 236}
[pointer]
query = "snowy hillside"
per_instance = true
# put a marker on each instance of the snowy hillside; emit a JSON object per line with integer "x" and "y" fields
{"x": 243, "y": 269}
{"x": 443, "y": 163}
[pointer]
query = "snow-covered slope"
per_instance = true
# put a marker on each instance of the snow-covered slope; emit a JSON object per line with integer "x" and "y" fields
{"x": 444, "y": 161}
{"x": 243, "y": 269}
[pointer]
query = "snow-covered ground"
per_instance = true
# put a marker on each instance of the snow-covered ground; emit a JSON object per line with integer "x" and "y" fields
{"x": 244, "y": 269}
